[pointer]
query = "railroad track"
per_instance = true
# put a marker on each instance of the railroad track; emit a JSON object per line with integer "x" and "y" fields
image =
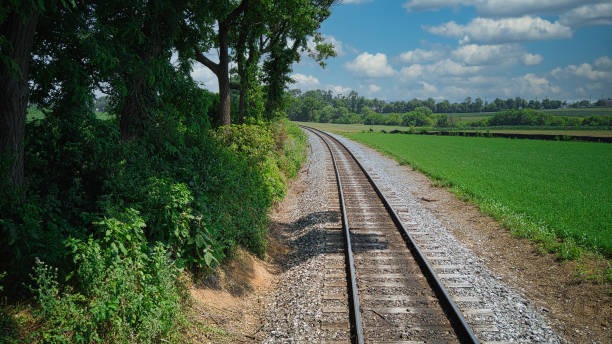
{"x": 393, "y": 294}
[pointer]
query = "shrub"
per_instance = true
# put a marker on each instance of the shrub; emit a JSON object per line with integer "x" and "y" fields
{"x": 124, "y": 291}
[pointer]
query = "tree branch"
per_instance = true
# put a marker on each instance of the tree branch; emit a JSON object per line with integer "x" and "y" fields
{"x": 200, "y": 57}
{"x": 234, "y": 14}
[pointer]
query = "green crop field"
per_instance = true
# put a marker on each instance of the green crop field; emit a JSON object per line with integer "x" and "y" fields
{"x": 36, "y": 113}
{"x": 580, "y": 112}
{"x": 356, "y": 128}
{"x": 540, "y": 189}
{"x": 351, "y": 128}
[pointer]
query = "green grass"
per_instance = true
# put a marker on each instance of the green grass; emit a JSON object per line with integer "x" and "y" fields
{"x": 538, "y": 131}
{"x": 543, "y": 190}
{"x": 357, "y": 128}
{"x": 581, "y": 112}
{"x": 351, "y": 128}
{"x": 35, "y": 113}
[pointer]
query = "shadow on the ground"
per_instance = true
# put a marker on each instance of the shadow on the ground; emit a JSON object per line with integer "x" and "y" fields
{"x": 307, "y": 239}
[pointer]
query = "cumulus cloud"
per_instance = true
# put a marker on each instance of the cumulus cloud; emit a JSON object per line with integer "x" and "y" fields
{"x": 420, "y": 55}
{"x": 412, "y": 72}
{"x": 338, "y": 45}
{"x": 498, "y": 8}
{"x": 304, "y": 82}
{"x": 434, "y": 5}
{"x": 604, "y": 63}
{"x": 488, "y": 54}
{"x": 505, "y": 30}
{"x": 339, "y": 90}
{"x": 374, "y": 66}
{"x": 206, "y": 77}
{"x": 372, "y": 88}
{"x": 530, "y": 84}
{"x": 584, "y": 70}
{"x": 444, "y": 68}
{"x": 428, "y": 87}
{"x": 354, "y": 1}
{"x": 588, "y": 15}
{"x": 450, "y": 67}
{"x": 531, "y": 59}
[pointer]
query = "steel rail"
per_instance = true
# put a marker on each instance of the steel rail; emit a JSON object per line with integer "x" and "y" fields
{"x": 356, "y": 312}
{"x": 461, "y": 327}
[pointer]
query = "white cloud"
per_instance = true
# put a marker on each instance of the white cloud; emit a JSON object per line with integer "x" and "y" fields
{"x": 441, "y": 69}
{"x": 337, "y": 89}
{"x": 304, "y": 82}
{"x": 486, "y": 30}
{"x": 338, "y": 45}
{"x": 498, "y": 8}
{"x": 428, "y": 87}
{"x": 584, "y": 70}
{"x": 420, "y": 55}
{"x": 530, "y": 84}
{"x": 450, "y": 67}
{"x": 474, "y": 54}
{"x": 374, "y": 66}
{"x": 373, "y": 88}
{"x": 604, "y": 63}
{"x": 531, "y": 59}
{"x": 354, "y": 1}
{"x": 434, "y": 5}
{"x": 588, "y": 15}
{"x": 411, "y": 72}
{"x": 206, "y": 77}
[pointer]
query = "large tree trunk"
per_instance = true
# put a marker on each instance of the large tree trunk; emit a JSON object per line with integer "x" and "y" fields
{"x": 134, "y": 112}
{"x": 14, "y": 90}
{"x": 245, "y": 81}
{"x": 223, "y": 77}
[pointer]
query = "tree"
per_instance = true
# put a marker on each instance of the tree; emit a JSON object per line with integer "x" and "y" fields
{"x": 135, "y": 41}
{"x": 225, "y": 13}
{"x": 291, "y": 22}
{"x": 18, "y": 21}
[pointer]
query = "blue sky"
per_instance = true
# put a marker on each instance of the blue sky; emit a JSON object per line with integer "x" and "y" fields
{"x": 452, "y": 49}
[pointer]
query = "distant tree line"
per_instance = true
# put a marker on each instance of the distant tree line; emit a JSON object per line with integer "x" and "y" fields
{"x": 305, "y": 103}
{"x": 325, "y": 106}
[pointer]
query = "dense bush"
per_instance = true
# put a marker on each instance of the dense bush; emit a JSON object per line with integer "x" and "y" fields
{"x": 118, "y": 220}
{"x": 124, "y": 290}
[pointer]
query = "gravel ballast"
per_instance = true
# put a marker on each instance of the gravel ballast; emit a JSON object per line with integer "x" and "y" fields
{"x": 294, "y": 309}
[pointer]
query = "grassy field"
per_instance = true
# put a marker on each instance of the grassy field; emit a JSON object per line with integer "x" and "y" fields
{"x": 356, "y": 128}
{"x": 351, "y": 128}
{"x": 35, "y": 113}
{"x": 543, "y": 190}
{"x": 581, "y": 112}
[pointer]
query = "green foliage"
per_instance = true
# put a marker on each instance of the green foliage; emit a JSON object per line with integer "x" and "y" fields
{"x": 326, "y": 107}
{"x": 192, "y": 196}
{"x": 124, "y": 291}
{"x": 543, "y": 190}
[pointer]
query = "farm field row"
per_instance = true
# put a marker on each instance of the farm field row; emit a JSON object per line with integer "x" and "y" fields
{"x": 579, "y": 112}
{"x": 540, "y": 189}
{"x": 356, "y": 128}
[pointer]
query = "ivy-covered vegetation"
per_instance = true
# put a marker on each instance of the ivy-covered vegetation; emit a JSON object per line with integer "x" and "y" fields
{"x": 325, "y": 107}
{"x": 101, "y": 217}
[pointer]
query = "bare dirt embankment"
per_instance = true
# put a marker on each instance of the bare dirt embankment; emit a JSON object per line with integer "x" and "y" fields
{"x": 229, "y": 306}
